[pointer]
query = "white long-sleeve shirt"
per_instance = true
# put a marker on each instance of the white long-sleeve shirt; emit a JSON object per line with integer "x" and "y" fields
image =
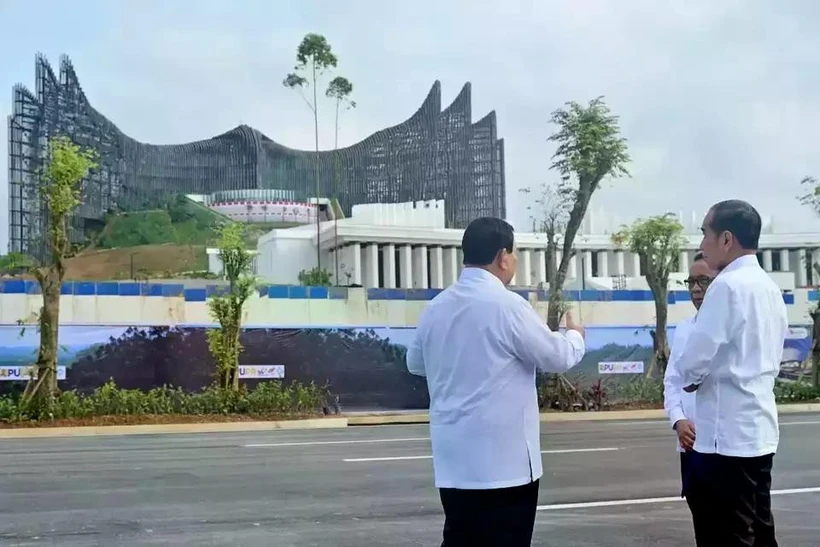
{"x": 479, "y": 345}
{"x": 678, "y": 404}
{"x": 733, "y": 353}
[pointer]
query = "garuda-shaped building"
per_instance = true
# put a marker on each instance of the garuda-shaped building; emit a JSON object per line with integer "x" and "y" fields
{"x": 435, "y": 154}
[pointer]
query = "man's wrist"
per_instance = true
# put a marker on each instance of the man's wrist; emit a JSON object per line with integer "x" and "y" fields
{"x": 676, "y": 414}
{"x": 675, "y": 425}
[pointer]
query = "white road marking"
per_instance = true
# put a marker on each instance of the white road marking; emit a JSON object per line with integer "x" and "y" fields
{"x": 418, "y": 439}
{"x": 645, "y": 501}
{"x": 572, "y": 450}
{"x": 428, "y": 457}
{"x": 388, "y": 459}
{"x": 319, "y": 443}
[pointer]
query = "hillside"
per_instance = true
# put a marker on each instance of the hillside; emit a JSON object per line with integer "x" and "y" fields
{"x": 138, "y": 262}
{"x": 166, "y": 242}
{"x": 182, "y": 222}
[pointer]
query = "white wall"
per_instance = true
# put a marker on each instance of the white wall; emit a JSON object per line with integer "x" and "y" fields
{"x": 346, "y": 307}
{"x": 282, "y": 254}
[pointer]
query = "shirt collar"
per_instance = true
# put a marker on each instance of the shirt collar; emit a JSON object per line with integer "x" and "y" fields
{"x": 744, "y": 261}
{"x": 478, "y": 275}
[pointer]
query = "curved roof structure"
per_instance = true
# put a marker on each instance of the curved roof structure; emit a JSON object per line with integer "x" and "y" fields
{"x": 435, "y": 154}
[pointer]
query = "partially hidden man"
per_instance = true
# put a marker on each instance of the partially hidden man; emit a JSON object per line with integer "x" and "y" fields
{"x": 479, "y": 346}
{"x": 680, "y": 405}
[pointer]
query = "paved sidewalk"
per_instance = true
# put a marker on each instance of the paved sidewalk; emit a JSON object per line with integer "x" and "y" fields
{"x": 348, "y": 420}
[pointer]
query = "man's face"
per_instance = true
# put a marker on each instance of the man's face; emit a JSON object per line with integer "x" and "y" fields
{"x": 700, "y": 276}
{"x": 714, "y": 246}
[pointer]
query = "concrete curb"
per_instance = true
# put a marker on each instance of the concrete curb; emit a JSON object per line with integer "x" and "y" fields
{"x": 651, "y": 414}
{"x": 331, "y": 423}
{"x": 162, "y": 429}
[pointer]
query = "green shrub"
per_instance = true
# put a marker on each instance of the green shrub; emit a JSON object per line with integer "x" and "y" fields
{"x": 640, "y": 390}
{"x": 795, "y": 392}
{"x": 269, "y": 398}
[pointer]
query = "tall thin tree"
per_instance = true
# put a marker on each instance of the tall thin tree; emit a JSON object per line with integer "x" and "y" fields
{"x": 66, "y": 165}
{"x": 314, "y": 57}
{"x": 339, "y": 89}
{"x": 589, "y": 149}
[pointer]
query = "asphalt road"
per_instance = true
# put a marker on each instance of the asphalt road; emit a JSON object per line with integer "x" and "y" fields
{"x": 359, "y": 487}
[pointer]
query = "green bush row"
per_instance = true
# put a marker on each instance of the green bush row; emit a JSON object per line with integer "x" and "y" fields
{"x": 269, "y": 398}
{"x": 795, "y": 392}
{"x": 650, "y": 391}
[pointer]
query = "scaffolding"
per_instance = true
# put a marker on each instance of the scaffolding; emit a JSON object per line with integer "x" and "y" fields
{"x": 435, "y": 154}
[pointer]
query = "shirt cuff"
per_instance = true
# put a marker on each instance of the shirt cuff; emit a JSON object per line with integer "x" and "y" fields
{"x": 574, "y": 337}
{"x": 676, "y": 414}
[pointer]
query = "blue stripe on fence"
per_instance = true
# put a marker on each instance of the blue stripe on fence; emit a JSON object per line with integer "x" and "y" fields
{"x": 298, "y": 292}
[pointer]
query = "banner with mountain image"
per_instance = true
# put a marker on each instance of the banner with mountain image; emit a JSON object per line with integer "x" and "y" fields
{"x": 364, "y": 366}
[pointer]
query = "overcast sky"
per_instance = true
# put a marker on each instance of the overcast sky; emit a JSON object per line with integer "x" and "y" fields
{"x": 718, "y": 99}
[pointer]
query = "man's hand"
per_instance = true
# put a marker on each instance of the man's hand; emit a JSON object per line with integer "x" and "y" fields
{"x": 572, "y": 325}
{"x": 686, "y": 434}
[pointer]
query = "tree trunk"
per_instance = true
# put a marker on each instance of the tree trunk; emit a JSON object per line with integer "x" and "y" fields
{"x": 233, "y": 334}
{"x": 555, "y": 309}
{"x": 815, "y": 348}
{"x": 660, "y": 344}
{"x": 46, "y": 386}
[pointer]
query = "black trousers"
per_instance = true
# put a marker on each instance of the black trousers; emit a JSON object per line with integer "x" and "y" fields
{"x": 730, "y": 499}
{"x": 503, "y": 517}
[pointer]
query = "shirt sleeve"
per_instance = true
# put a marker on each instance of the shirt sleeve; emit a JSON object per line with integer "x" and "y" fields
{"x": 415, "y": 357}
{"x": 534, "y": 343}
{"x": 672, "y": 388}
{"x": 711, "y": 331}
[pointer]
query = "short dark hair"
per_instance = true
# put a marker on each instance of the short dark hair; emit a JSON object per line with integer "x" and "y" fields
{"x": 698, "y": 256}
{"x": 484, "y": 238}
{"x": 740, "y": 219}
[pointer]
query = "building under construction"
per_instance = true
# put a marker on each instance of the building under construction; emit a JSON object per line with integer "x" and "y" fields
{"x": 435, "y": 154}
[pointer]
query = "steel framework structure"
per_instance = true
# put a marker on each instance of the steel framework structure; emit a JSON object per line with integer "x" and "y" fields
{"x": 435, "y": 154}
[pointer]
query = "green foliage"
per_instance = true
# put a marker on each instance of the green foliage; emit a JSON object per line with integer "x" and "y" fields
{"x": 314, "y": 57}
{"x": 180, "y": 222}
{"x": 226, "y": 307}
{"x": 589, "y": 144}
{"x": 66, "y": 166}
{"x": 314, "y": 52}
{"x": 589, "y": 148}
{"x": 315, "y": 277}
{"x": 796, "y": 392}
{"x": 15, "y": 263}
{"x": 640, "y": 390}
{"x": 812, "y": 198}
{"x": 268, "y": 399}
{"x": 658, "y": 241}
{"x": 139, "y": 228}
{"x": 339, "y": 89}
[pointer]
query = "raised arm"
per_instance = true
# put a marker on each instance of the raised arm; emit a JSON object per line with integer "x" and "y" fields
{"x": 534, "y": 343}
{"x": 716, "y": 320}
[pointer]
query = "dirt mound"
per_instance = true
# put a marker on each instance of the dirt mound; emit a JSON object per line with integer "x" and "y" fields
{"x": 145, "y": 261}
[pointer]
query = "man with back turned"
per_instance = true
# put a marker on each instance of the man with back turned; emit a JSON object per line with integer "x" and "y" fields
{"x": 479, "y": 345}
{"x": 731, "y": 359}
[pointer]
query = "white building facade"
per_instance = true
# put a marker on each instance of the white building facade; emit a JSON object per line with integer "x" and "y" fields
{"x": 405, "y": 245}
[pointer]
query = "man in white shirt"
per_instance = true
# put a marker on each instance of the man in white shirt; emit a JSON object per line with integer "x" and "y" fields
{"x": 479, "y": 345}
{"x": 731, "y": 358}
{"x": 679, "y": 405}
